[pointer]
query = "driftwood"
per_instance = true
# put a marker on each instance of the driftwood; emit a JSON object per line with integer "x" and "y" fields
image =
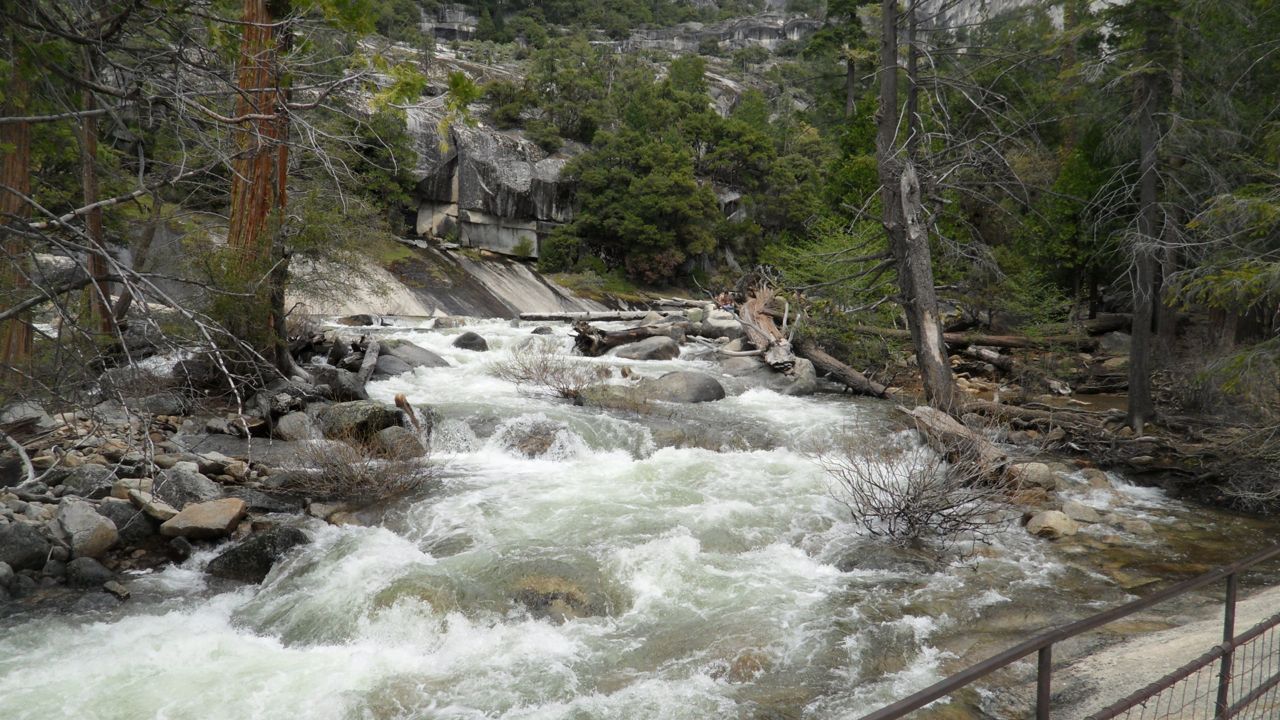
{"x": 838, "y": 371}
{"x": 370, "y": 361}
{"x": 594, "y": 342}
{"x": 989, "y": 356}
{"x": 763, "y": 333}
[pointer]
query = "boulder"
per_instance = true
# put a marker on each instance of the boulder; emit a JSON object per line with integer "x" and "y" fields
{"x": 802, "y": 380}
{"x": 360, "y": 419}
{"x": 23, "y": 413}
{"x": 531, "y": 439}
{"x": 555, "y": 598}
{"x": 179, "y": 486}
{"x": 6, "y": 576}
{"x": 163, "y": 403}
{"x": 357, "y": 320}
{"x": 89, "y": 481}
{"x": 1096, "y": 478}
{"x": 390, "y": 366}
{"x": 411, "y": 354}
{"x": 22, "y": 547}
{"x": 1034, "y": 474}
{"x": 658, "y": 347}
{"x": 207, "y": 520}
{"x": 154, "y": 508}
{"x": 471, "y": 341}
{"x": 684, "y": 386}
{"x": 251, "y": 560}
{"x": 1080, "y": 512}
{"x": 721, "y": 324}
{"x": 133, "y": 524}
{"x": 399, "y": 442}
{"x": 85, "y": 572}
{"x": 342, "y": 384}
{"x": 542, "y": 330}
{"x": 1052, "y": 524}
{"x": 120, "y": 488}
{"x": 297, "y": 426}
{"x": 258, "y": 501}
{"x": 91, "y": 534}
{"x": 1114, "y": 343}
{"x": 1136, "y": 526}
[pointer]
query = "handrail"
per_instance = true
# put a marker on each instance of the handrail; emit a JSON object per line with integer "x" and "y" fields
{"x": 1043, "y": 642}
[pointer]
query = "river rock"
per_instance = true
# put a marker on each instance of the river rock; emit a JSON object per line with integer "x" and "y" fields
{"x": 207, "y": 520}
{"x": 251, "y": 560}
{"x": 357, "y": 320}
{"x": 542, "y": 330}
{"x": 1136, "y": 526}
{"x": 296, "y": 426}
{"x": 85, "y": 572}
{"x": 360, "y": 419}
{"x": 133, "y": 524}
{"x": 180, "y": 486}
{"x": 153, "y": 507}
{"x": 412, "y": 355}
{"x": 343, "y": 385}
{"x": 390, "y": 366}
{"x": 258, "y": 501}
{"x": 27, "y": 412}
{"x": 555, "y": 598}
{"x": 1052, "y": 524}
{"x": 120, "y": 488}
{"x": 658, "y": 347}
{"x": 802, "y": 380}
{"x": 89, "y": 481}
{"x": 91, "y": 534}
{"x": 22, "y": 547}
{"x": 399, "y": 442}
{"x": 6, "y": 576}
{"x": 1080, "y": 512}
{"x": 1096, "y": 478}
{"x": 162, "y": 403}
{"x": 1035, "y": 474}
{"x": 684, "y": 386}
{"x": 471, "y": 341}
{"x": 721, "y": 324}
{"x": 1114, "y": 343}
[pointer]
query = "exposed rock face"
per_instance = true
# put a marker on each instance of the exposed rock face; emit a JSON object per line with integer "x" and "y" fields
{"x": 496, "y": 190}
{"x": 767, "y": 30}
{"x": 251, "y": 560}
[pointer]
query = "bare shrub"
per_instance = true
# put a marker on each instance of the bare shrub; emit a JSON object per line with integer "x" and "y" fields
{"x": 539, "y": 363}
{"x": 357, "y": 471}
{"x": 910, "y": 494}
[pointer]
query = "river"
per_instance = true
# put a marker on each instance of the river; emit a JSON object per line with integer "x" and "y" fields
{"x": 701, "y": 563}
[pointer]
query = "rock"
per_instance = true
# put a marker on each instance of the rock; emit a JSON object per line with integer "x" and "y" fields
{"x": 1052, "y": 524}
{"x": 360, "y": 419}
{"x": 746, "y": 367}
{"x": 555, "y": 598}
{"x": 650, "y": 318}
{"x": 91, "y": 534}
{"x": 1080, "y": 512}
{"x": 1114, "y": 343}
{"x": 115, "y": 588}
{"x": 802, "y": 380}
{"x": 1137, "y": 527}
{"x": 720, "y": 323}
{"x": 157, "y": 509}
{"x": 532, "y": 438}
{"x": 206, "y": 520}
{"x": 390, "y": 366}
{"x": 258, "y": 501}
{"x": 658, "y": 347}
{"x": 85, "y": 572}
{"x": 211, "y": 463}
{"x": 6, "y": 576}
{"x": 179, "y": 486}
{"x": 471, "y": 341}
{"x": 1034, "y": 474}
{"x": 133, "y": 524}
{"x": 1116, "y": 364}
{"x": 250, "y": 560}
{"x": 358, "y": 320}
{"x": 399, "y": 442}
{"x": 23, "y": 413}
{"x": 89, "y": 481}
{"x": 297, "y": 426}
{"x": 695, "y": 315}
{"x": 164, "y": 403}
{"x": 1096, "y": 478}
{"x": 684, "y": 387}
{"x": 343, "y": 384}
{"x": 55, "y": 568}
{"x": 542, "y": 330}
{"x": 120, "y": 488}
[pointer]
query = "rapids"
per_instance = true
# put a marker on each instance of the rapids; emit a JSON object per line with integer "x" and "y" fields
{"x": 711, "y": 571}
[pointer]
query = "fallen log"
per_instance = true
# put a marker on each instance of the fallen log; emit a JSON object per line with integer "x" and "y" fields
{"x": 838, "y": 371}
{"x": 959, "y": 341}
{"x": 595, "y": 316}
{"x": 989, "y": 356}
{"x": 594, "y": 342}
{"x": 958, "y": 443}
{"x": 369, "y": 362}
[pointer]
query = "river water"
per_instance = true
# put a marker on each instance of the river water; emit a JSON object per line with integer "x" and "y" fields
{"x": 708, "y": 569}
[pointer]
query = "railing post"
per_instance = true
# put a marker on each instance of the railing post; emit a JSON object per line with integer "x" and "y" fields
{"x": 1228, "y": 640}
{"x": 1044, "y": 680}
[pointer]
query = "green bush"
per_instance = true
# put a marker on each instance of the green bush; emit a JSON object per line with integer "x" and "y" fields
{"x": 523, "y": 249}
{"x": 559, "y": 252}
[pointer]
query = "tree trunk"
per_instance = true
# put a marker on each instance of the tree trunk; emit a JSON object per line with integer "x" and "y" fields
{"x": 99, "y": 290}
{"x": 903, "y": 223}
{"x": 1141, "y": 406}
{"x": 850, "y": 85}
{"x": 261, "y": 166}
{"x": 15, "y": 173}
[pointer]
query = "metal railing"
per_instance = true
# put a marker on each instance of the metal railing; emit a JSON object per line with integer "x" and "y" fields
{"x": 1228, "y": 700}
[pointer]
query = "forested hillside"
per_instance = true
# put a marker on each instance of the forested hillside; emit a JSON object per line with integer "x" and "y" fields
{"x": 1034, "y": 162}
